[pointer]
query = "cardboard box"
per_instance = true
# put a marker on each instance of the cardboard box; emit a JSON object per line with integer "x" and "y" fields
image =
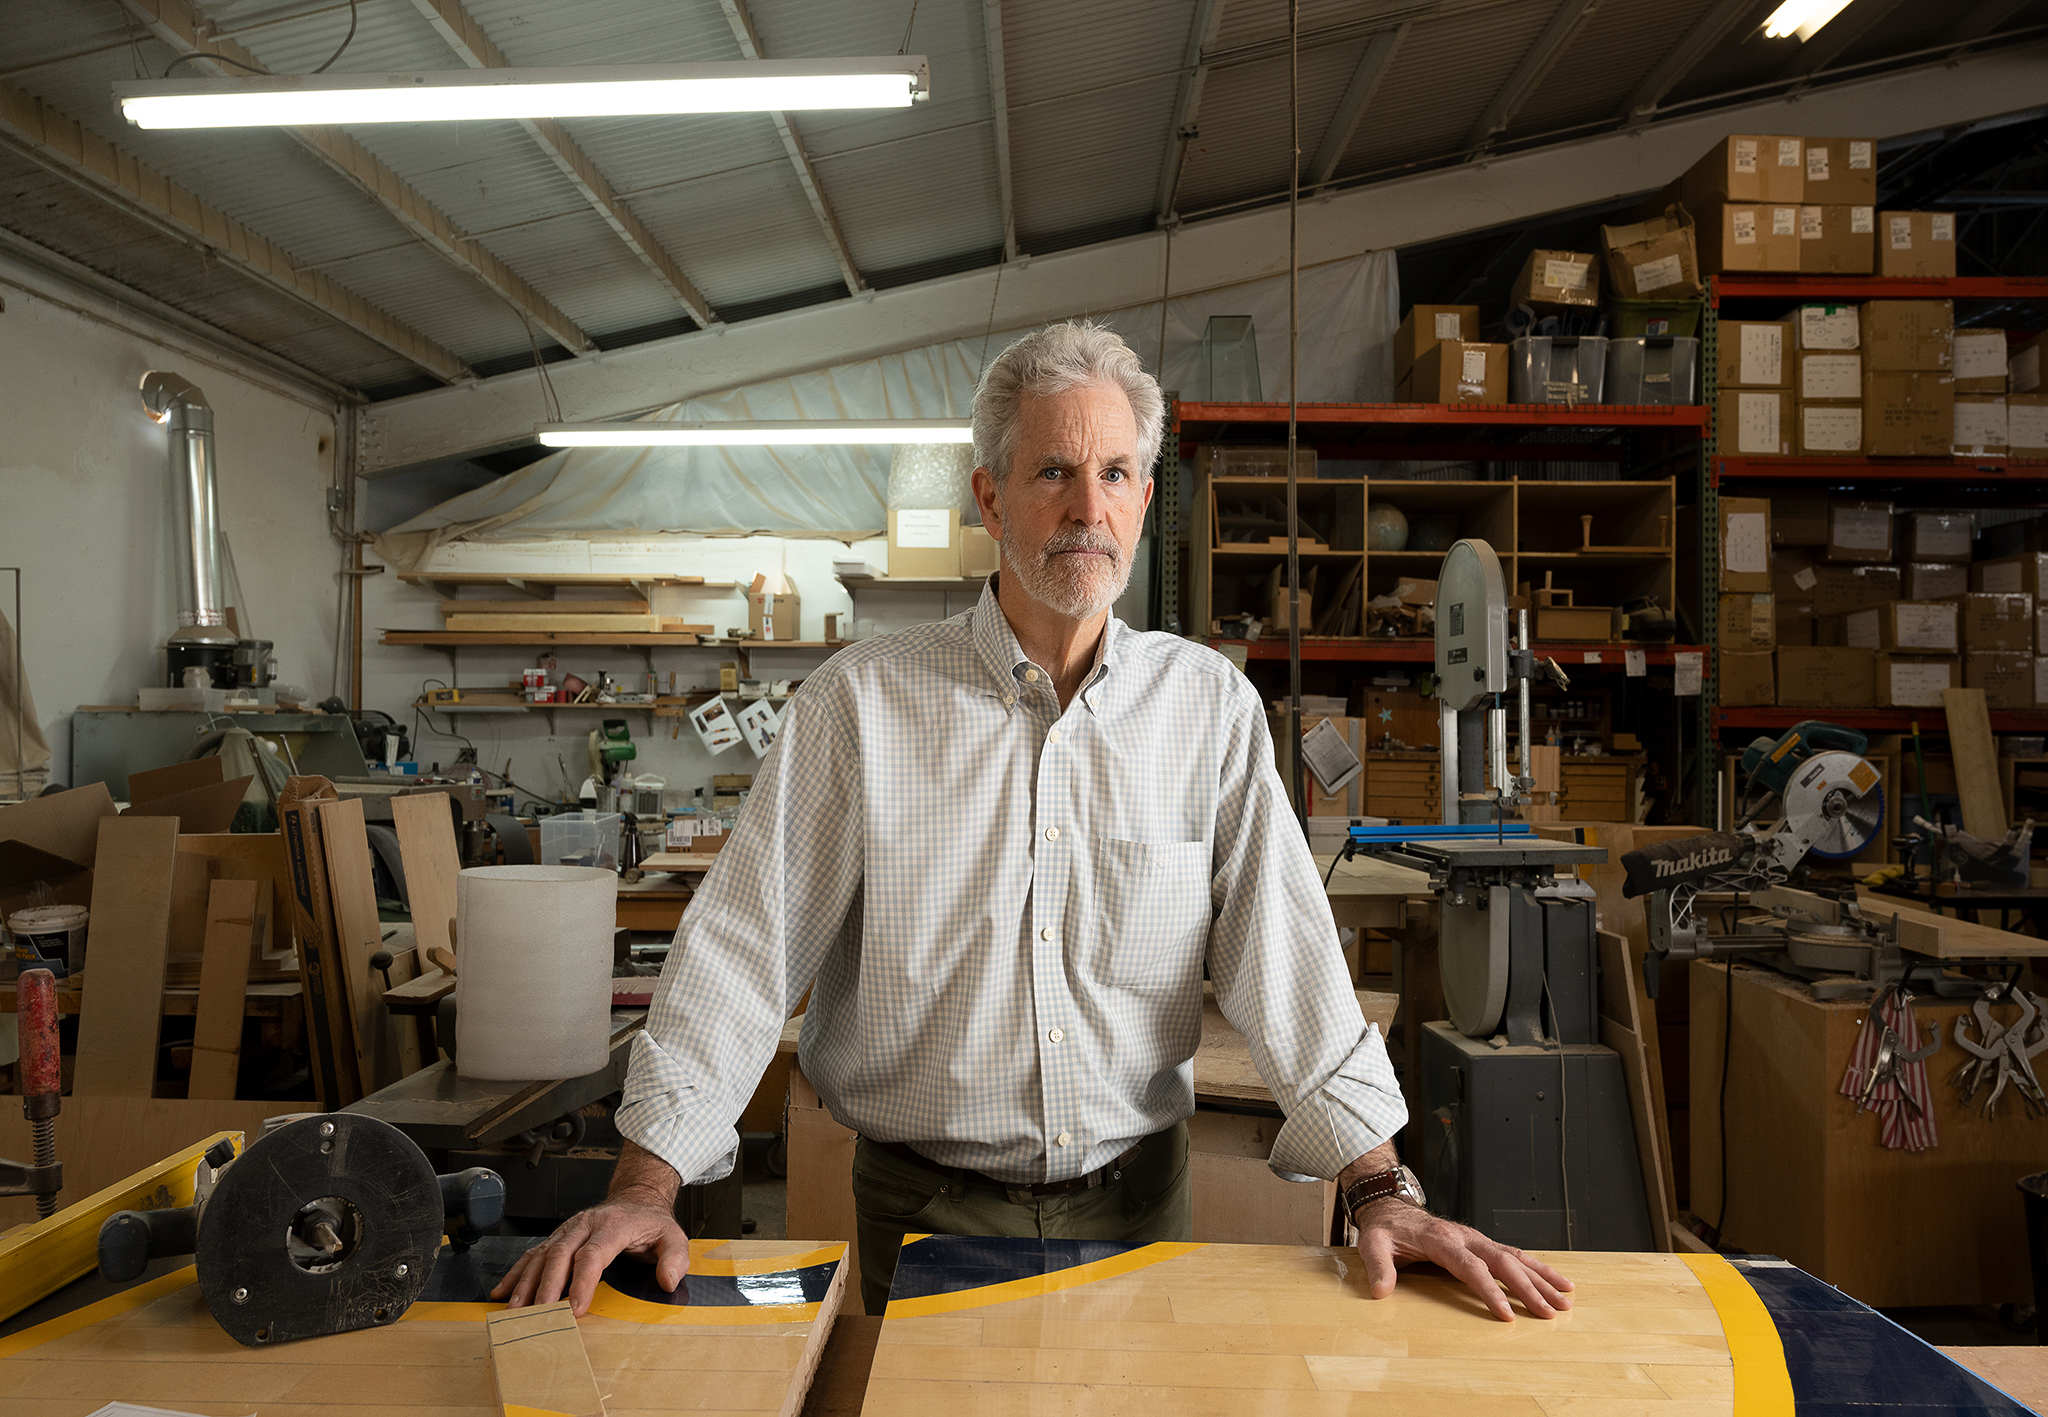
{"x": 1916, "y": 243}
{"x": 1795, "y": 621}
{"x": 2026, "y": 425}
{"x": 1935, "y": 580}
{"x": 1980, "y": 365}
{"x": 1655, "y": 259}
{"x": 1745, "y": 544}
{"x": 1909, "y": 335}
{"x": 2023, "y": 365}
{"x": 1935, "y": 536}
{"x": 1460, "y": 371}
{"x": 2006, "y": 677}
{"x": 1747, "y": 237}
{"x": 1426, "y": 325}
{"x": 1913, "y": 680}
{"x": 1746, "y": 678}
{"x": 1841, "y": 171}
{"x": 1843, "y": 590}
{"x": 1826, "y": 329}
{"x": 2041, "y": 682}
{"x": 980, "y": 553}
{"x": 1831, "y": 630}
{"x": 1994, "y": 621}
{"x": 1842, "y": 678}
{"x": 1754, "y": 354}
{"x": 924, "y": 543}
{"x": 1859, "y": 530}
{"x": 1749, "y": 621}
{"x": 1747, "y": 167}
{"x": 778, "y": 614}
{"x": 1792, "y": 573}
{"x": 1754, "y": 423}
{"x": 1835, "y": 377}
{"x": 1827, "y": 429}
{"x": 1980, "y": 425}
{"x": 1921, "y": 627}
{"x": 1837, "y": 240}
{"x": 1907, "y": 415}
{"x": 1799, "y": 519}
{"x": 1557, "y": 280}
{"x": 820, "y": 1195}
{"x": 2040, "y": 628}
{"x": 2009, "y": 575}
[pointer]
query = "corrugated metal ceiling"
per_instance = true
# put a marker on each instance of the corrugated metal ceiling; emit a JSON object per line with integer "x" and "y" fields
{"x": 1091, "y": 94}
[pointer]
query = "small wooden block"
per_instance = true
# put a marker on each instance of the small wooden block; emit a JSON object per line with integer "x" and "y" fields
{"x": 538, "y": 1360}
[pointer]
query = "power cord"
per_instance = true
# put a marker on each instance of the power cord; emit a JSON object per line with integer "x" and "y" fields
{"x": 1727, "y": 1041}
{"x": 1564, "y": 1170}
{"x": 346, "y": 40}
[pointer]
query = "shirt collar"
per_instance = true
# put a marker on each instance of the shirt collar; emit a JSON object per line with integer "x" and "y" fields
{"x": 1005, "y": 660}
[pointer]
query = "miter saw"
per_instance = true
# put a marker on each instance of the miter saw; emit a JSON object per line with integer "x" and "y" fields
{"x": 1526, "y": 1115}
{"x": 1746, "y": 892}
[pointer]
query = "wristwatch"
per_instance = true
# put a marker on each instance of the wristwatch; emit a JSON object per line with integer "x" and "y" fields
{"x": 1400, "y": 1181}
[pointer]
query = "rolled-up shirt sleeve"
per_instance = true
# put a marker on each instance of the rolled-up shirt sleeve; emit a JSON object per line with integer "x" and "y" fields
{"x": 1279, "y": 972}
{"x": 750, "y": 943}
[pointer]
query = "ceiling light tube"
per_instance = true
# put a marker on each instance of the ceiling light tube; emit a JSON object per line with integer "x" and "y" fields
{"x": 594, "y": 91}
{"x": 754, "y": 433}
{"x": 1802, "y": 17}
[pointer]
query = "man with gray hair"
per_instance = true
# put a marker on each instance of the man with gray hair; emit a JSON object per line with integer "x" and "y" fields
{"x": 1002, "y": 851}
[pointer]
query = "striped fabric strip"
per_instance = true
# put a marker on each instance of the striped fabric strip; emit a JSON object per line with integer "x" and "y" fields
{"x": 1900, "y": 1127}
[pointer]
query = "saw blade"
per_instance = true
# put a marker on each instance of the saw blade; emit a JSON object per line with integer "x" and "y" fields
{"x": 1849, "y": 780}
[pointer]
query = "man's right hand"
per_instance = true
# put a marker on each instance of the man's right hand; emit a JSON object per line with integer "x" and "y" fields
{"x": 573, "y": 1258}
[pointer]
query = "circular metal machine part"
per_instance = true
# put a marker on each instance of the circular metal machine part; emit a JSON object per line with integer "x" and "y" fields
{"x": 328, "y": 1225}
{"x": 1841, "y": 799}
{"x": 1473, "y": 960}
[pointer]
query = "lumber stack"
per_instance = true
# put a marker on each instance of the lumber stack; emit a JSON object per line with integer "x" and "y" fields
{"x": 564, "y": 617}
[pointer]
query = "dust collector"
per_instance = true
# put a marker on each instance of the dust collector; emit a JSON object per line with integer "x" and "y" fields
{"x": 203, "y": 639}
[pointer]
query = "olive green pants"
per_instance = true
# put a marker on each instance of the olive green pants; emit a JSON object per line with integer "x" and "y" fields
{"x": 1152, "y": 1201}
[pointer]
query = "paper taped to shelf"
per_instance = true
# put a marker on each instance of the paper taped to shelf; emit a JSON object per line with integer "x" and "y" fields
{"x": 1329, "y": 757}
{"x": 1686, "y": 671}
{"x": 1634, "y": 663}
{"x": 1746, "y": 549}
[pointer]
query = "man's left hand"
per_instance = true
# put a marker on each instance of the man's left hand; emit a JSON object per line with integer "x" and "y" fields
{"x": 1393, "y": 1233}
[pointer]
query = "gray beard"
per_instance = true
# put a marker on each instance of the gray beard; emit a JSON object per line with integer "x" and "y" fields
{"x": 1077, "y": 591}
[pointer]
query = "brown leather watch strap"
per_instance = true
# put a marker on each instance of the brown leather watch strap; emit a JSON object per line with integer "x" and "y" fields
{"x": 1367, "y": 1189}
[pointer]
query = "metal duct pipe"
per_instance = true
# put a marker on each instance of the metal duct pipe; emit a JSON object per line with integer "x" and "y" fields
{"x": 175, "y": 400}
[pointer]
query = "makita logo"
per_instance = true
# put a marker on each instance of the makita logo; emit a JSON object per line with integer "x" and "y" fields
{"x": 1700, "y": 860}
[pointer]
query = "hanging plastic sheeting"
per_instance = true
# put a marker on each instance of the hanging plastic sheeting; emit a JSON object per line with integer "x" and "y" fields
{"x": 1349, "y": 312}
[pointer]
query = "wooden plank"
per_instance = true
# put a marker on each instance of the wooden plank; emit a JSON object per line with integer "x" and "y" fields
{"x": 538, "y": 1362}
{"x": 1947, "y": 936}
{"x": 1976, "y": 762}
{"x": 357, "y": 934}
{"x": 563, "y": 624}
{"x": 36, "y": 1260}
{"x": 335, "y": 1080}
{"x": 124, "y": 979}
{"x": 1644, "y": 1111}
{"x": 258, "y": 857}
{"x": 102, "y": 1141}
{"x": 426, "y": 843}
{"x": 172, "y": 779}
{"x": 231, "y": 925}
{"x": 544, "y": 607}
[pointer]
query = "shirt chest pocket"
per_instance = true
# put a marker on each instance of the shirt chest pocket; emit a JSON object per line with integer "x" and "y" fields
{"x": 1153, "y": 913}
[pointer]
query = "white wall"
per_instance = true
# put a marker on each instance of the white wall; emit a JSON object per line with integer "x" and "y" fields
{"x": 86, "y": 509}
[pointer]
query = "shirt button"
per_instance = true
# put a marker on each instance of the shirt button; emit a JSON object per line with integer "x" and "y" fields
{"x": 1052, "y": 735}
{"x": 1062, "y": 1139}
{"x": 1058, "y": 1035}
{"x": 1052, "y": 833}
{"x": 1046, "y": 933}
{"x": 1031, "y": 676}
{"x": 1008, "y": 700}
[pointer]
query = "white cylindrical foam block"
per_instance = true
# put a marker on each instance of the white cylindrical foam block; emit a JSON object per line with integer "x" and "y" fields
{"x": 533, "y": 991}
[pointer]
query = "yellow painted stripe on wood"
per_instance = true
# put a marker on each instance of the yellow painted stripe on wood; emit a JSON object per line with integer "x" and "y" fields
{"x": 767, "y": 1264}
{"x": 92, "y": 1313}
{"x": 1037, "y": 1285}
{"x": 1763, "y": 1385}
{"x": 913, "y": 1239}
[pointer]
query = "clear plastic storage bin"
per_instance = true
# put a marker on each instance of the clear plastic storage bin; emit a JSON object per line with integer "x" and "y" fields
{"x": 1653, "y": 370}
{"x": 580, "y": 839}
{"x": 1557, "y": 369}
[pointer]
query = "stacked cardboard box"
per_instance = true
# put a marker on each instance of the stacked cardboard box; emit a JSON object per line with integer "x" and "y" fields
{"x": 1837, "y": 220}
{"x": 1827, "y": 386}
{"x": 1980, "y": 385}
{"x": 1916, "y": 244}
{"x": 1744, "y": 197}
{"x": 1426, "y": 328}
{"x": 1908, "y": 377}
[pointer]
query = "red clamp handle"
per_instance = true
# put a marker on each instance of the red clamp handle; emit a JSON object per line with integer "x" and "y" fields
{"x": 42, "y": 1071}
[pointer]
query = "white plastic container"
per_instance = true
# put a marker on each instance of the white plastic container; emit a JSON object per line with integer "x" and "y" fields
{"x": 534, "y": 995}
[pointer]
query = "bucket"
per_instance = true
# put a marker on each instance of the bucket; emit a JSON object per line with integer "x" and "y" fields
{"x": 2035, "y": 1189}
{"x": 49, "y": 937}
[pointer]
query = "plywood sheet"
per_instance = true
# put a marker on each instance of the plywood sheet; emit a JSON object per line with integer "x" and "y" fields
{"x": 1076, "y": 1328}
{"x": 124, "y": 975}
{"x": 745, "y": 1336}
{"x": 1224, "y": 1070}
{"x": 426, "y": 843}
{"x": 259, "y": 857}
{"x": 231, "y": 928}
{"x": 335, "y": 1079}
{"x": 357, "y": 935}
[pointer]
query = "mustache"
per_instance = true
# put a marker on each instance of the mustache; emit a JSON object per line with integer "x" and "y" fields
{"x": 1080, "y": 539}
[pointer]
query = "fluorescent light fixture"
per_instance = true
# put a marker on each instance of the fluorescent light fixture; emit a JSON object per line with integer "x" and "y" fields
{"x": 1802, "y": 17}
{"x": 596, "y": 91}
{"x": 754, "y": 433}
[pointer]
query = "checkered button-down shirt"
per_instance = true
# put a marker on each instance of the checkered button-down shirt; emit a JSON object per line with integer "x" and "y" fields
{"x": 1005, "y": 910}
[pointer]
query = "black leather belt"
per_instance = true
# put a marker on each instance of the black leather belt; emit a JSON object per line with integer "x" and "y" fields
{"x": 1101, "y": 1174}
